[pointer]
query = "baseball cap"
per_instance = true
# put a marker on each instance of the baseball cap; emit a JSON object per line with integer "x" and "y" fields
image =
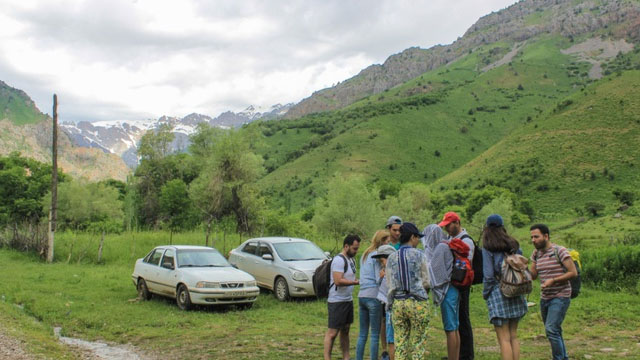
{"x": 495, "y": 220}
{"x": 384, "y": 251}
{"x": 449, "y": 218}
{"x": 409, "y": 228}
{"x": 394, "y": 220}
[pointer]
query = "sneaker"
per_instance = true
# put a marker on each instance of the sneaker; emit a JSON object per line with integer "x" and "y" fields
{"x": 385, "y": 355}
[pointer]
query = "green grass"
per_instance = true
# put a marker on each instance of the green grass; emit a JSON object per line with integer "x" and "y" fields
{"x": 95, "y": 302}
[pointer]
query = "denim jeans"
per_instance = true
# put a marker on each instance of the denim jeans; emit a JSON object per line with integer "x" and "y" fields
{"x": 553, "y": 312}
{"x": 370, "y": 315}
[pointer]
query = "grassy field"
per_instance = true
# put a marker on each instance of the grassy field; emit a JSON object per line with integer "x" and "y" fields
{"x": 98, "y": 302}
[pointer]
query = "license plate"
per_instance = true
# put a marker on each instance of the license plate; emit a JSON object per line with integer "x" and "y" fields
{"x": 236, "y": 293}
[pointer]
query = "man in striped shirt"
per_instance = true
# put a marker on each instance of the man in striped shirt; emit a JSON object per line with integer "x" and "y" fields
{"x": 554, "y": 266}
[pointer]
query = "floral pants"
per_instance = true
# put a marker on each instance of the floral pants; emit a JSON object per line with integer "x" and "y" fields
{"x": 410, "y": 321}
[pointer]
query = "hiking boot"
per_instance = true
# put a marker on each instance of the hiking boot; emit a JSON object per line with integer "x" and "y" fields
{"x": 385, "y": 356}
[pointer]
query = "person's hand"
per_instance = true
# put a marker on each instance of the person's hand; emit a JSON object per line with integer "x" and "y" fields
{"x": 356, "y": 282}
{"x": 547, "y": 283}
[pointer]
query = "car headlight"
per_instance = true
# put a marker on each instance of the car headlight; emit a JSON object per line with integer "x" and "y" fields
{"x": 300, "y": 276}
{"x": 206, "y": 284}
{"x": 251, "y": 283}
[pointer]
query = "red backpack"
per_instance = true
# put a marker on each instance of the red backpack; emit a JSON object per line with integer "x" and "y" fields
{"x": 462, "y": 272}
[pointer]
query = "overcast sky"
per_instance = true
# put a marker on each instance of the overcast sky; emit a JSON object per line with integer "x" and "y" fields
{"x": 141, "y": 59}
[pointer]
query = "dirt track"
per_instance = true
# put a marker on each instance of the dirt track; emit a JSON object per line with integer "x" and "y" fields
{"x": 11, "y": 348}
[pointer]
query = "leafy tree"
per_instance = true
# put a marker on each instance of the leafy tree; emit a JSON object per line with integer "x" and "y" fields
{"x": 87, "y": 206}
{"x": 593, "y": 208}
{"x": 625, "y": 197}
{"x": 175, "y": 205}
{"x": 23, "y": 184}
{"x": 413, "y": 203}
{"x": 156, "y": 168}
{"x": 502, "y": 206}
{"x": 226, "y": 184}
{"x": 156, "y": 144}
{"x": 349, "y": 207}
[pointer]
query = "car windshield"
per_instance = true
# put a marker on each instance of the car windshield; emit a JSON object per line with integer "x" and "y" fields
{"x": 201, "y": 258}
{"x": 296, "y": 251}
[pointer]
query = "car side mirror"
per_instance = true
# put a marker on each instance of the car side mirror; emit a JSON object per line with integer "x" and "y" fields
{"x": 267, "y": 257}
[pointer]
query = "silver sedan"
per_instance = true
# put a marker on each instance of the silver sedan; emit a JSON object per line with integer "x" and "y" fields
{"x": 284, "y": 265}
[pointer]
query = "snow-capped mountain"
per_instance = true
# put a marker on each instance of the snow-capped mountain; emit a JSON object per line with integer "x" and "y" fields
{"x": 122, "y": 137}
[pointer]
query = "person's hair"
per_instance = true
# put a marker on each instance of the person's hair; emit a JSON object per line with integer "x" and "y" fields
{"x": 376, "y": 241}
{"x": 405, "y": 237}
{"x": 350, "y": 239}
{"x": 496, "y": 239}
{"x": 544, "y": 229}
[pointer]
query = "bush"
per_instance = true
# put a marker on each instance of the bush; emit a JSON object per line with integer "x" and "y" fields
{"x": 612, "y": 268}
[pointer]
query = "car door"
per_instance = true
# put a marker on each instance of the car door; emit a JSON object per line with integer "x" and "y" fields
{"x": 265, "y": 269}
{"x": 249, "y": 260}
{"x": 167, "y": 274}
{"x": 150, "y": 272}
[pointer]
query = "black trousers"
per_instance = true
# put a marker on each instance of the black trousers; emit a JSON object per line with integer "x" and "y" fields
{"x": 466, "y": 334}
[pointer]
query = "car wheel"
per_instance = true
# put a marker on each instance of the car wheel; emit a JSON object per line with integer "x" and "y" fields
{"x": 182, "y": 298}
{"x": 143, "y": 290}
{"x": 281, "y": 289}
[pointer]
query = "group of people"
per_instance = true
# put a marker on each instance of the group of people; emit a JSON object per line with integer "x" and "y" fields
{"x": 399, "y": 283}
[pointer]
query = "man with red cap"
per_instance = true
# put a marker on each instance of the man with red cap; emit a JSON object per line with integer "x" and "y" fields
{"x": 451, "y": 224}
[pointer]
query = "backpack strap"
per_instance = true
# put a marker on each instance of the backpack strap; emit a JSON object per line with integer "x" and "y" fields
{"x": 344, "y": 271}
{"x": 555, "y": 252}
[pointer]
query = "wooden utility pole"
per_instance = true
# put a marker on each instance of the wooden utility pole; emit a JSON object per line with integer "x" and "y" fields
{"x": 54, "y": 182}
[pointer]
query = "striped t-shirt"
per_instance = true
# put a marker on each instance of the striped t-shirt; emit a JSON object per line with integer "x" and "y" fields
{"x": 548, "y": 267}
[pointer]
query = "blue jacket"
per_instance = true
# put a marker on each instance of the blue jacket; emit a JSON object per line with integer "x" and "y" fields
{"x": 369, "y": 275}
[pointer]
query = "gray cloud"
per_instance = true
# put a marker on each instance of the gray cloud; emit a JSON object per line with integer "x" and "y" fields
{"x": 125, "y": 60}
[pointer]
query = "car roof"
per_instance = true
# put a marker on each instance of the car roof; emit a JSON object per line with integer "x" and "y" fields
{"x": 185, "y": 247}
{"x": 278, "y": 239}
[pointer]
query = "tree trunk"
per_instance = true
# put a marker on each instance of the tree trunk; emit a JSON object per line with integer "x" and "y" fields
{"x": 100, "y": 247}
{"x": 170, "y": 236}
{"x": 208, "y": 233}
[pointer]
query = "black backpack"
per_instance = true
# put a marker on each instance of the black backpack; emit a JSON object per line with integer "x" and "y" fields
{"x": 476, "y": 262}
{"x": 322, "y": 277}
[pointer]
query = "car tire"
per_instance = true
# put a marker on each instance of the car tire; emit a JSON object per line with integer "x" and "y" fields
{"x": 143, "y": 290}
{"x": 182, "y": 298}
{"x": 281, "y": 289}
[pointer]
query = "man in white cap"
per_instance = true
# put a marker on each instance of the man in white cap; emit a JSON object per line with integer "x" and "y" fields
{"x": 393, "y": 224}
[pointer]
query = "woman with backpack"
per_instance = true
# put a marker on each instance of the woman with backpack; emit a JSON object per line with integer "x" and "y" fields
{"x": 370, "y": 307}
{"x": 504, "y": 312}
{"x": 444, "y": 294}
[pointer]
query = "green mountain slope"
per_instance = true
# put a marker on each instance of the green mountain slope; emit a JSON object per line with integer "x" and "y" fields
{"x": 17, "y": 107}
{"x": 425, "y": 128}
{"x": 585, "y": 149}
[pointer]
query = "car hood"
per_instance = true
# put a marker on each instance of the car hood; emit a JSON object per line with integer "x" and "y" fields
{"x": 305, "y": 265}
{"x": 217, "y": 274}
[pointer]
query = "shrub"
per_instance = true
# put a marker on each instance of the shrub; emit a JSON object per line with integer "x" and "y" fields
{"x": 612, "y": 268}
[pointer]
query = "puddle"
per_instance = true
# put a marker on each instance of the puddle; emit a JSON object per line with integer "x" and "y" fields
{"x": 99, "y": 349}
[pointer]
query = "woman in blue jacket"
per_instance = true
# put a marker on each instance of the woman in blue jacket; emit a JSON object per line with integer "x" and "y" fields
{"x": 369, "y": 306}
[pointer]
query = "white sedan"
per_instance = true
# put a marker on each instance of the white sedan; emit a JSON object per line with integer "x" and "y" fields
{"x": 193, "y": 275}
{"x": 284, "y": 265}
